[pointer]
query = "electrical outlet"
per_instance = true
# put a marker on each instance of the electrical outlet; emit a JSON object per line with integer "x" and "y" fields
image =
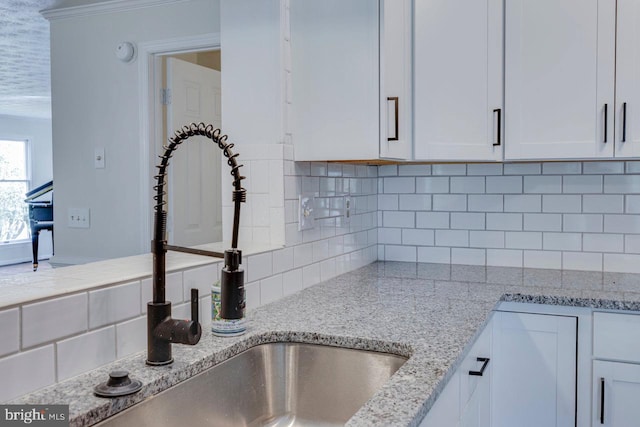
{"x": 306, "y": 212}
{"x": 347, "y": 210}
{"x": 78, "y": 218}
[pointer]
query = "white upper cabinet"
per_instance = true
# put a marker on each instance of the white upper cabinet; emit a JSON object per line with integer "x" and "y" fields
{"x": 338, "y": 82}
{"x": 458, "y": 79}
{"x": 627, "y": 130}
{"x": 559, "y": 78}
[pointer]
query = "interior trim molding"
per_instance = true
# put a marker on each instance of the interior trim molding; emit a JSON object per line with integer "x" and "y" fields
{"x": 110, "y": 6}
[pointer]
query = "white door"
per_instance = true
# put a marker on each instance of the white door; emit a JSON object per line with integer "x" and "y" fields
{"x": 559, "y": 78}
{"x": 534, "y": 370}
{"x": 616, "y": 394}
{"x": 627, "y": 133}
{"x": 195, "y": 205}
{"x": 458, "y": 83}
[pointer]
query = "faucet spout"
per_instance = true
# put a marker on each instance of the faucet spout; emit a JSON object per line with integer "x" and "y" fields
{"x": 162, "y": 330}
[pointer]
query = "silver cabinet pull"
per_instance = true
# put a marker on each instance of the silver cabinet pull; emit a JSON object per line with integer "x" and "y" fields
{"x": 394, "y": 99}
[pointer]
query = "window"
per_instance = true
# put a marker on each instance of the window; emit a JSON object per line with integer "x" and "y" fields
{"x": 14, "y": 183}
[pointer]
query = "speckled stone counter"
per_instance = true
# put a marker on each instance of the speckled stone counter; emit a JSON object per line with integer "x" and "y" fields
{"x": 430, "y": 313}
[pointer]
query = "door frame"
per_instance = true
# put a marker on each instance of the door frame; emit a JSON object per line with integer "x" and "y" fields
{"x": 148, "y": 72}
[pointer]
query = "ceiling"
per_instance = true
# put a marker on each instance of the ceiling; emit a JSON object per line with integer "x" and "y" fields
{"x": 25, "y": 70}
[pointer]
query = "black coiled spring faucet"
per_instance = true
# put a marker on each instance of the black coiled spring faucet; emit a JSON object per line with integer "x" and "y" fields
{"x": 162, "y": 330}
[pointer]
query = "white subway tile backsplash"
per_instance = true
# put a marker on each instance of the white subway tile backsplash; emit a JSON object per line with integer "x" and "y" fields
{"x": 504, "y": 257}
{"x": 415, "y": 237}
{"x": 27, "y": 371}
{"x": 432, "y": 185}
{"x": 603, "y": 203}
{"x": 398, "y": 219}
{"x": 582, "y": 184}
{"x": 318, "y": 169}
{"x": 486, "y": 239}
{"x": 485, "y": 203}
{"x": 632, "y": 205}
{"x": 622, "y": 224}
{"x": 328, "y": 269}
{"x": 562, "y": 241}
{"x": 468, "y": 220}
{"x": 320, "y": 250}
{"x": 543, "y": 184}
{"x": 434, "y": 254}
{"x": 484, "y": 169}
{"x": 633, "y": 167}
{"x": 131, "y": 336}
{"x": 467, "y": 184}
{"x": 603, "y": 242}
{"x": 252, "y": 295}
{"x": 449, "y": 169}
{"x": 522, "y": 203}
{"x": 504, "y": 221}
{"x": 415, "y": 202}
{"x": 400, "y": 253}
{"x": 632, "y": 244}
{"x": 400, "y": 185}
{"x": 391, "y": 236}
{"x": 582, "y": 223}
{"x": 259, "y": 266}
{"x": 542, "y": 259}
{"x": 543, "y": 222}
{"x": 522, "y": 168}
{"x": 52, "y": 319}
{"x": 414, "y": 170}
{"x": 581, "y": 261}
{"x": 114, "y": 304}
{"x": 504, "y": 184}
{"x": 622, "y": 263}
{"x": 271, "y": 289}
{"x": 561, "y": 203}
{"x": 388, "y": 202}
{"x": 292, "y": 282}
{"x": 201, "y": 278}
{"x": 432, "y": 219}
{"x": 311, "y": 275}
{"x": 388, "y": 170}
{"x": 449, "y": 202}
{"x": 452, "y": 238}
{"x": 523, "y": 240}
{"x": 282, "y": 260}
{"x": 9, "y": 332}
{"x": 302, "y": 255}
{"x": 622, "y": 184}
{"x": 468, "y": 256}
{"x": 602, "y": 167}
{"x": 562, "y": 168}
{"x": 85, "y": 352}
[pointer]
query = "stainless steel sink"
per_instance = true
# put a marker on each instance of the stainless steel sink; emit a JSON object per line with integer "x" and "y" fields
{"x": 279, "y": 384}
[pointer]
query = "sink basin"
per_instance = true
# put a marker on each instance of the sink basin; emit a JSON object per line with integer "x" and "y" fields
{"x": 278, "y": 384}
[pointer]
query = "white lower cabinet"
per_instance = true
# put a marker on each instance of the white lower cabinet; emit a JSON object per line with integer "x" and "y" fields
{"x": 616, "y": 394}
{"x": 464, "y": 402}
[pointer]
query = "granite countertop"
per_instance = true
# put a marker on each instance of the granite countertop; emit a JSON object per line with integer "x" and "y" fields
{"x": 430, "y": 313}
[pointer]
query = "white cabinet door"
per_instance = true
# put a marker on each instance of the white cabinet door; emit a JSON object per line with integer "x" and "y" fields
{"x": 335, "y": 79}
{"x": 475, "y": 383}
{"x": 395, "y": 79}
{"x": 458, "y": 79}
{"x": 446, "y": 410}
{"x": 559, "y": 78}
{"x": 534, "y": 370}
{"x": 627, "y": 132}
{"x": 616, "y": 394}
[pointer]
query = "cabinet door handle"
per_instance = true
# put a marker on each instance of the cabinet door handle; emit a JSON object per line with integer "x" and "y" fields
{"x": 498, "y": 127}
{"x": 393, "y": 99}
{"x": 606, "y": 121}
{"x": 624, "y": 122}
{"x": 485, "y": 362}
{"x": 601, "y": 400}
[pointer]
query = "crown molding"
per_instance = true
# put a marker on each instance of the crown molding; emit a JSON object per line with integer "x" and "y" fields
{"x": 109, "y": 6}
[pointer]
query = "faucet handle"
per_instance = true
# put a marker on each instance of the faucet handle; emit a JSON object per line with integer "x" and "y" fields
{"x": 194, "y": 305}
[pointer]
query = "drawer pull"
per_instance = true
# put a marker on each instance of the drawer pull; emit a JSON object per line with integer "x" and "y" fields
{"x": 601, "y": 400}
{"x": 485, "y": 362}
{"x": 624, "y": 122}
{"x": 606, "y": 120}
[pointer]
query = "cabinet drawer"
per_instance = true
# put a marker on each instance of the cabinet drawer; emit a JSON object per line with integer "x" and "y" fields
{"x": 616, "y": 336}
{"x": 480, "y": 349}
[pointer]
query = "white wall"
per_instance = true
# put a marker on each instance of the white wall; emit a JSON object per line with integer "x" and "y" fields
{"x": 95, "y": 104}
{"x": 38, "y": 132}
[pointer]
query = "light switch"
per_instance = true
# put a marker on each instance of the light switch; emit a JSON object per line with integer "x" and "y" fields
{"x": 98, "y": 158}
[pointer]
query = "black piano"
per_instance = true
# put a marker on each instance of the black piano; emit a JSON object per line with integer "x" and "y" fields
{"x": 40, "y": 216}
